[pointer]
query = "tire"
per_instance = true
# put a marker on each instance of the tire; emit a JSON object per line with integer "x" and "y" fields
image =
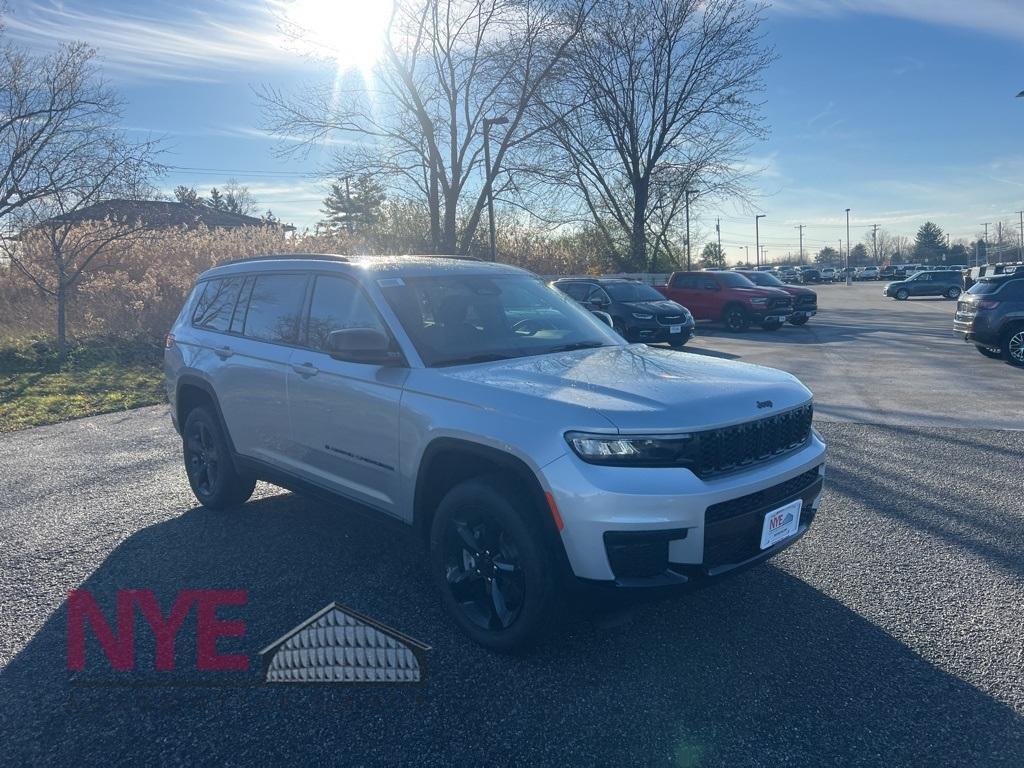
{"x": 773, "y": 325}
{"x": 208, "y": 463}
{"x": 735, "y": 318}
{"x": 677, "y": 341}
{"x": 902, "y": 294}
{"x": 1013, "y": 346}
{"x": 505, "y": 593}
{"x": 953, "y": 293}
{"x": 995, "y": 354}
{"x": 802, "y": 320}
{"x": 619, "y": 328}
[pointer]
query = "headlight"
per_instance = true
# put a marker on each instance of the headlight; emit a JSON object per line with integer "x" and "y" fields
{"x": 634, "y": 451}
{"x": 759, "y": 301}
{"x": 642, "y": 316}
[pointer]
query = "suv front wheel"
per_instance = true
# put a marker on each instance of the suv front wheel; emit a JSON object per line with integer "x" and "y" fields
{"x": 208, "y": 463}
{"x": 497, "y": 578}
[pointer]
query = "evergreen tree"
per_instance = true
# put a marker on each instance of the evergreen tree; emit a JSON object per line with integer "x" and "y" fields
{"x": 827, "y": 256}
{"x": 930, "y": 243}
{"x": 353, "y": 205}
{"x": 187, "y": 195}
{"x": 216, "y": 200}
{"x": 712, "y": 257}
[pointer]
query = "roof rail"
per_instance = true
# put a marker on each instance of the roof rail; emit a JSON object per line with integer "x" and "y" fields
{"x": 339, "y": 258}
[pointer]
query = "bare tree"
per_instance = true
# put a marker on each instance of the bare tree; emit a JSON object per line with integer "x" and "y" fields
{"x": 53, "y": 109}
{"x": 62, "y": 238}
{"x": 418, "y": 123}
{"x": 657, "y": 100}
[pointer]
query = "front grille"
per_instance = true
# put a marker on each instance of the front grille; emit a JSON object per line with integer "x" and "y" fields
{"x": 740, "y": 446}
{"x": 769, "y": 496}
{"x": 733, "y": 535}
{"x": 806, "y": 301}
{"x": 781, "y": 303}
{"x": 670, "y": 319}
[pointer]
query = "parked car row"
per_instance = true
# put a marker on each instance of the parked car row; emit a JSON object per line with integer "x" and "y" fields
{"x": 637, "y": 311}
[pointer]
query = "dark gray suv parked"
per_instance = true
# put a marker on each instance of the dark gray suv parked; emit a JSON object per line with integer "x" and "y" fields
{"x": 931, "y": 283}
{"x": 638, "y": 312}
{"x": 991, "y": 316}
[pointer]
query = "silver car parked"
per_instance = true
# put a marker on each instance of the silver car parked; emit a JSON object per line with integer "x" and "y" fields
{"x": 530, "y": 447}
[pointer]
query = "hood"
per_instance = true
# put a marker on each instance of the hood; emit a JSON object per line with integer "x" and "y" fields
{"x": 665, "y": 307}
{"x": 795, "y": 290}
{"x": 635, "y": 388}
{"x": 762, "y": 290}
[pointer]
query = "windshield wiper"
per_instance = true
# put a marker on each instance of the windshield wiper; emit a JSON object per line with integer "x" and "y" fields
{"x": 487, "y": 357}
{"x": 578, "y": 345}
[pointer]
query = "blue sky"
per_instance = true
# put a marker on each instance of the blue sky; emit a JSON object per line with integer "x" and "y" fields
{"x": 900, "y": 110}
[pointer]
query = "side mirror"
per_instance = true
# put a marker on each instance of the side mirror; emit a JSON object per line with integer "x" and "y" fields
{"x": 604, "y": 317}
{"x": 361, "y": 345}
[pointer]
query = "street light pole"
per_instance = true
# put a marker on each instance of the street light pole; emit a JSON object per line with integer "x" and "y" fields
{"x": 757, "y": 237}
{"x": 849, "y": 277}
{"x": 801, "y": 228}
{"x": 985, "y": 241}
{"x": 488, "y": 122}
{"x": 687, "y": 193}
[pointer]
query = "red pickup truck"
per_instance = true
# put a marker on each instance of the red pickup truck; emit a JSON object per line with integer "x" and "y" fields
{"x": 730, "y": 298}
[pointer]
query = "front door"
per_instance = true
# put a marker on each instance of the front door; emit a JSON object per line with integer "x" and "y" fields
{"x": 344, "y": 414}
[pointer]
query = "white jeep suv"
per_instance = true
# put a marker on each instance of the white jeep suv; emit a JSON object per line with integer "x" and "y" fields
{"x": 530, "y": 447}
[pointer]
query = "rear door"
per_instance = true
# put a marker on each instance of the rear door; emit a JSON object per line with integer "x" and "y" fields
{"x": 345, "y": 414}
{"x": 252, "y": 386}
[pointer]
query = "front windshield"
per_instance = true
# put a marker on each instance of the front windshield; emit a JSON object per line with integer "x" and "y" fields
{"x": 632, "y": 292}
{"x": 734, "y": 280}
{"x": 454, "y": 319}
{"x": 764, "y": 278}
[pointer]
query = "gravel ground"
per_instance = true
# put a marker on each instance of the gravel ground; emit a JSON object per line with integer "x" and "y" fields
{"x": 892, "y": 634}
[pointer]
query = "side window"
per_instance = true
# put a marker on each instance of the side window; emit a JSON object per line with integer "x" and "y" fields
{"x": 597, "y": 294}
{"x": 925, "y": 276}
{"x": 709, "y": 284}
{"x": 337, "y": 304}
{"x": 242, "y": 306}
{"x": 216, "y": 305}
{"x": 274, "y": 307}
{"x": 576, "y": 291}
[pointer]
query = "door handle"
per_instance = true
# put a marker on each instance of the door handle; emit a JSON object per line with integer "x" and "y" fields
{"x": 224, "y": 352}
{"x": 305, "y": 370}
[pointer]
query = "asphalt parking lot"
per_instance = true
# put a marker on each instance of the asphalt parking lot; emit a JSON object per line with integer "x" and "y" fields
{"x": 869, "y": 358}
{"x": 890, "y": 635}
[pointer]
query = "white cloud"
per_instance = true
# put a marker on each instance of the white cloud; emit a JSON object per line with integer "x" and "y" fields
{"x": 998, "y": 17}
{"x": 160, "y": 40}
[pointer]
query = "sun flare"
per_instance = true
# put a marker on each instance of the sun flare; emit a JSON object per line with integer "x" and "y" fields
{"x": 351, "y": 32}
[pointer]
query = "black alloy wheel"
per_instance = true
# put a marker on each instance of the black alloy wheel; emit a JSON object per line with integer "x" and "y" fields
{"x": 484, "y": 572}
{"x": 211, "y": 471}
{"x": 736, "y": 319}
{"x": 202, "y": 459}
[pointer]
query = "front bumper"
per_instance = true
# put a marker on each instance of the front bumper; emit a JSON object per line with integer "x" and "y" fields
{"x": 651, "y": 331}
{"x": 602, "y": 508}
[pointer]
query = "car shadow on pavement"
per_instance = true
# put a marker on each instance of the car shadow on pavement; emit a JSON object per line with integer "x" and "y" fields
{"x": 759, "y": 669}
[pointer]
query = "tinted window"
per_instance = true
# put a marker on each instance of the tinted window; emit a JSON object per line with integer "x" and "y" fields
{"x": 689, "y": 282}
{"x": 578, "y": 291}
{"x": 708, "y": 284}
{"x": 763, "y": 278}
{"x": 238, "y": 318}
{"x": 216, "y": 305}
{"x": 338, "y": 304}
{"x": 274, "y": 308}
{"x": 632, "y": 292}
{"x": 734, "y": 280}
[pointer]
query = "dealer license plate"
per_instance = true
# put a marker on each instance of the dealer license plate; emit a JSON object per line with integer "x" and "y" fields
{"x": 780, "y": 524}
{"x": 675, "y": 329}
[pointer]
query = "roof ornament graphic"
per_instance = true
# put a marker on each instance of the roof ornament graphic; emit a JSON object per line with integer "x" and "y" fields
{"x": 340, "y": 645}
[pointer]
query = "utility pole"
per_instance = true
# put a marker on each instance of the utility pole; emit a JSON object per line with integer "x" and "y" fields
{"x": 718, "y": 229}
{"x": 849, "y": 278}
{"x": 488, "y": 122}
{"x": 1020, "y": 248}
{"x": 874, "y": 242}
{"x": 801, "y": 228}
{"x": 757, "y": 237}
{"x": 986, "y": 240}
{"x": 746, "y": 250}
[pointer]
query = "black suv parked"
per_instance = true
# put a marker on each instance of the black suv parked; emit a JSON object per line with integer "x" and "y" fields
{"x": 931, "y": 283}
{"x": 991, "y": 316}
{"x": 638, "y": 312}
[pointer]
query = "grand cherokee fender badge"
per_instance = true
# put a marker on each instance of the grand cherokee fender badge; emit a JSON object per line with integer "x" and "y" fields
{"x": 339, "y": 645}
{"x": 765, "y": 404}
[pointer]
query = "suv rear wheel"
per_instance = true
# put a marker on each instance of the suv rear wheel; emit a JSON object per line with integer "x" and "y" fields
{"x": 1013, "y": 346}
{"x": 211, "y": 472}
{"x": 497, "y": 579}
{"x": 735, "y": 318}
{"x": 953, "y": 293}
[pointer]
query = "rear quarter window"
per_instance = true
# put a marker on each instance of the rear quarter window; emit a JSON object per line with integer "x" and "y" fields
{"x": 216, "y": 303}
